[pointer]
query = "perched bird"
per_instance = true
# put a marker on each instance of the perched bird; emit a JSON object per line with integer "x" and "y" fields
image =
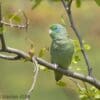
{"x": 62, "y": 48}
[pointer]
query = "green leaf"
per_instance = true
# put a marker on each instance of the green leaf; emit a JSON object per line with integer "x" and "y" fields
{"x": 61, "y": 83}
{"x": 1, "y": 30}
{"x": 77, "y": 46}
{"x": 42, "y": 67}
{"x": 55, "y": 0}
{"x": 17, "y": 19}
{"x": 14, "y": 17}
{"x": 78, "y": 3}
{"x": 42, "y": 52}
{"x": 93, "y": 93}
{"x": 97, "y": 97}
{"x": 87, "y": 47}
{"x": 63, "y": 21}
{"x": 76, "y": 59}
{"x": 97, "y": 2}
{"x": 78, "y": 69}
{"x": 35, "y": 3}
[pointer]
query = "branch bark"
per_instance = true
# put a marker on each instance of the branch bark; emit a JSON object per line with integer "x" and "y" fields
{"x": 1, "y": 31}
{"x": 20, "y": 54}
{"x": 14, "y": 25}
{"x": 67, "y": 6}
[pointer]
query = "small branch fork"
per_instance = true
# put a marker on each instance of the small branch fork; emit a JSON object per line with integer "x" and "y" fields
{"x": 36, "y": 70}
{"x": 67, "y": 6}
{"x": 4, "y": 48}
{"x": 10, "y": 23}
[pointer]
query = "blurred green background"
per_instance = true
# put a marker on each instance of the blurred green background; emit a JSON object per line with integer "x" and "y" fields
{"x": 16, "y": 76}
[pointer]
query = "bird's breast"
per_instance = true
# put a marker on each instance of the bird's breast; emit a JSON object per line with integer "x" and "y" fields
{"x": 61, "y": 53}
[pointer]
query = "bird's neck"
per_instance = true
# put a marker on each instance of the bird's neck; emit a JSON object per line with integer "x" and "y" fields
{"x": 61, "y": 38}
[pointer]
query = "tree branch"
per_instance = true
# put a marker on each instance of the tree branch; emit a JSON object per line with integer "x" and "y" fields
{"x": 40, "y": 61}
{"x": 67, "y": 7}
{"x": 9, "y": 57}
{"x": 1, "y": 31}
{"x": 14, "y": 25}
{"x": 69, "y": 73}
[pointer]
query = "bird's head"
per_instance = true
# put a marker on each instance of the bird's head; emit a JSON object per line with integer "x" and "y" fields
{"x": 57, "y": 31}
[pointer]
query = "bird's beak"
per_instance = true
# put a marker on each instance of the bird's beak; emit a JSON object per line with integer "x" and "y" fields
{"x": 50, "y": 31}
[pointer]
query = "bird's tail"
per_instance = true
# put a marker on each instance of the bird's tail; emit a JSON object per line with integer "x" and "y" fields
{"x": 58, "y": 75}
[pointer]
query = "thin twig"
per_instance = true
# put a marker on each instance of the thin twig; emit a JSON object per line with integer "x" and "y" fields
{"x": 19, "y": 26}
{"x": 26, "y": 20}
{"x": 36, "y": 70}
{"x": 69, "y": 13}
{"x": 17, "y": 52}
{"x": 14, "y": 25}
{"x": 77, "y": 84}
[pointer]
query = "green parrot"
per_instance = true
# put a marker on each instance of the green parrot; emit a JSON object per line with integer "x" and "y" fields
{"x": 62, "y": 48}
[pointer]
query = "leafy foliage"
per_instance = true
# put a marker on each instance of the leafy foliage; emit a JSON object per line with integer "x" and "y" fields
{"x": 15, "y": 18}
{"x": 97, "y": 2}
{"x": 78, "y": 3}
{"x": 43, "y": 68}
{"x": 89, "y": 94}
{"x": 76, "y": 57}
{"x": 61, "y": 83}
{"x": 35, "y": 3}
{"x": 42, "y": 52}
